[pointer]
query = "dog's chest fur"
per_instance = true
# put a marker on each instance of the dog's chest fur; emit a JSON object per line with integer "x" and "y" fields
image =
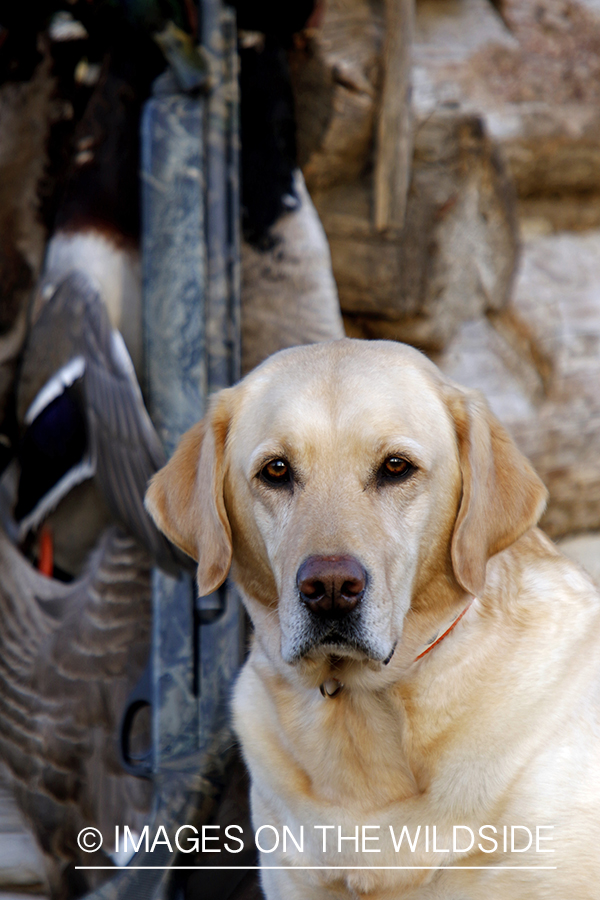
{"x": 358, "y": 761}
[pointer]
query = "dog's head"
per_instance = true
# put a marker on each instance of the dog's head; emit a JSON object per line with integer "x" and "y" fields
{"x": 344, "y": 484}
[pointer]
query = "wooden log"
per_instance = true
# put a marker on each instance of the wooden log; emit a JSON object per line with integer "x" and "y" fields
{"x": 538, "y": 363}
{"x": 409, "y": 264}
{"x": 394, "y": 126}
{"x": 455, "y": 257}
{"x": 535, "y": 83}
{"x": 336, "y": 75}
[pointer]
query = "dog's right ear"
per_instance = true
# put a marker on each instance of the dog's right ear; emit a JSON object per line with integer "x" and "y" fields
{"x": 185, "y": 498}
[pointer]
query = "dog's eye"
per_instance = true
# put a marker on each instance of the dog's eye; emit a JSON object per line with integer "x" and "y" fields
{"x": 276, "y": 472}
{"x": 395, "y": 468}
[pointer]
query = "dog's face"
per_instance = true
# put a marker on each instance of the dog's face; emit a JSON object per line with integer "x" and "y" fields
{"x": 346, "y": 483}
{"x": 333, "y": 477}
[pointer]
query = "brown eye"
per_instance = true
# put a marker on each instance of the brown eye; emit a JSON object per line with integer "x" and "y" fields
{"x": 395, "y": 468}
{"x": 276, "y": 472}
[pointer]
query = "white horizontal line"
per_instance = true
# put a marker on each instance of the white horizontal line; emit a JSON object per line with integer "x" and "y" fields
{"x": 360, "y": 868}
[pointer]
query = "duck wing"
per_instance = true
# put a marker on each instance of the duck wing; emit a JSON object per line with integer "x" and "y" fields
{"x": 84, "y": 417}
{"x": 69, "y": 656}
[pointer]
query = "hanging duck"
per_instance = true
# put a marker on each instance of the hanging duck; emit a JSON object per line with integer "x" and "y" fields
{"x": 69, "y": 657}
{"x": 87, "y": 447}
{"x": 84, "y": 424}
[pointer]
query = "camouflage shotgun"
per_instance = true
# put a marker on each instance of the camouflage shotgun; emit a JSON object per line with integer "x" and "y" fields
{"x": 190, "y": 210}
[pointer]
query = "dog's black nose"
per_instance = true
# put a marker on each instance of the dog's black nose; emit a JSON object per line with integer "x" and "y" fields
{"x": 331, "y": 586}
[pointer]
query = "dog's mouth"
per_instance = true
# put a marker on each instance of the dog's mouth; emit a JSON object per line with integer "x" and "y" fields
{"x": 341, "y": 638}
{"x": 388, "y": 658}
{"x": 341, "y": 643}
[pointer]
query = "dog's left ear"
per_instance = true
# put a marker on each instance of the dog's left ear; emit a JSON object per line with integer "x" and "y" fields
{"x": 502, "y": 496}
{"x": 185, "y": 498}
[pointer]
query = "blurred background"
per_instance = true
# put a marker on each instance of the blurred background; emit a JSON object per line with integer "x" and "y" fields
{"x": 186, "y": 188}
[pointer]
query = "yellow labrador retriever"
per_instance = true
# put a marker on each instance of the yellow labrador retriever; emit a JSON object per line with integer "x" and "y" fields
{"x": 420, "y": 709}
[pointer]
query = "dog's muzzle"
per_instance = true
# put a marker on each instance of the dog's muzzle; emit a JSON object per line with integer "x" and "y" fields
{"x": 331, "y": 590}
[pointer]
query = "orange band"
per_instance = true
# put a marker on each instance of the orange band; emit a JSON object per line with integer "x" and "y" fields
{"x": 447, "y": 631}
{"x": 46, "y": 552}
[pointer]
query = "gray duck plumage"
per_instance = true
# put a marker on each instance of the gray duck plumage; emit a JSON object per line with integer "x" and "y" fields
{"x": 69, "y": 656}
{"x": 83, "y": 417}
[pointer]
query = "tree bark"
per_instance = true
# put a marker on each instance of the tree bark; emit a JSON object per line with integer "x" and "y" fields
{"x": 394, "y": 127}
